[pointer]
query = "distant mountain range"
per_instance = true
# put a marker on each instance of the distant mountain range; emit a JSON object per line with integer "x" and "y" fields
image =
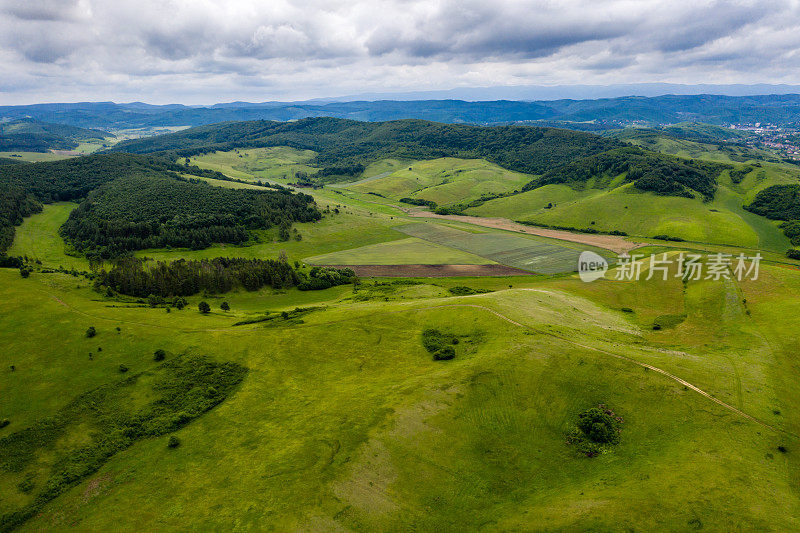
{"x": 602, "y": 113}
{"x": 572, "y": 92}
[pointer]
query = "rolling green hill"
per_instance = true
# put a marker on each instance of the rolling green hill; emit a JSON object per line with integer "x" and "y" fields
{"x": 342, "y": 144}
{"x": 344, "y": 420}
{"x": 445, "y": 181}
{"x": 327, "y": 410}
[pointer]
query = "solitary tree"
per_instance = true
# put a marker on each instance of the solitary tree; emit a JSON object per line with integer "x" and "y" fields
{"x": 159, "y": 355}
{"x": 225, "y": 306}
{"x": 204, "y": 307}
{"x": 91, "y": 332}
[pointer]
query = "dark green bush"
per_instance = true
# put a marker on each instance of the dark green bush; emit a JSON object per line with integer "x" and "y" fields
{"x": 91, "y": 332}
{"x": 597, "y": 428}
{"x": 445, "y": 354}
{"x": 159, "y": 355}
{"x": 173, "y": 442}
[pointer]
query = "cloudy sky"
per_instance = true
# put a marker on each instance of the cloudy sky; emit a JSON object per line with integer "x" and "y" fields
{"x": 205, "y": 51}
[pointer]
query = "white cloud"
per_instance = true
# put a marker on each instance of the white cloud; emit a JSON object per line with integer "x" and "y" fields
{"x": 209, "y": 51}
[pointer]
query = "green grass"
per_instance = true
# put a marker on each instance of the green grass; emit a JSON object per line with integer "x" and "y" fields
{"x": 346, "y": 421}
{"x": 409, "y": 251}
{"x": 275, "y": 163}
{"x": 38, "y": 238}
{"x": 445, "y": 181}
{"x": 35, "y": 157}
{"x": 526, "y": 252}
{"x": 333, "y": 233}
{"x": 722, "y": 221}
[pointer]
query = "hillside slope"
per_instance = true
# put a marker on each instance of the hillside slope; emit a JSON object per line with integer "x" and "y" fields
{"x": 343, "y": 145}
{"x": 29, "y": 135}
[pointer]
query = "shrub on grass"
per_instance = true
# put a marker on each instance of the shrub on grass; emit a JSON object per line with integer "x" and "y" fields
{"x": 445, "y": 354}
{"x": 173, "y": 442}
{"x": 91, "y": 332}
{"x": 225, "y": 306}
{"x": 204, "y": 307}
{"x": 123, "y": 368}
{"x": 159, "y": 355}
{"x": 597, "y": 429}
{"x": 4, "y": 422}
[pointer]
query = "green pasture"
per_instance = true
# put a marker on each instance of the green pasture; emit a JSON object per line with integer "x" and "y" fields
{"x": 445, "y": 181}
{"x": 410, "y": 251}
{"x": 345, "y": 421}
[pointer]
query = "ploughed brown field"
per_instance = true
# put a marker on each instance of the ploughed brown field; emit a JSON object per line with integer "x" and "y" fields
{"x": 432, "y": 271}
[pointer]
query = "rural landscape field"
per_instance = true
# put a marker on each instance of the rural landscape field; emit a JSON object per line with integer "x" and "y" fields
{"x": 485, "y": 290}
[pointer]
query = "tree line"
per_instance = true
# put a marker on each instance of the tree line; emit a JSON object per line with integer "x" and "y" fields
{"x": 136, "y": 277}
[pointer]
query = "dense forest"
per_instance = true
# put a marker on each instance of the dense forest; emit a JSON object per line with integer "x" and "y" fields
{"x": 153, "y": 211}
{"x": 778, "y": 202}
{"x": 73, "y": 179}
{"x": 135, "y": 277}
{"x": 346, "y": 144}
{"x": 29, "y": 135}
{"x": 650, "y": 171}
{"x": 135, "y": 201}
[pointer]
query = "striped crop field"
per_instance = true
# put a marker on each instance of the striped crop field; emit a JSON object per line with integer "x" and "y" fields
{"x": 524, "y": 252}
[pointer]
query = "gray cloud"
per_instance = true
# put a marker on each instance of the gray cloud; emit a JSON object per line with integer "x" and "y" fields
{"x": 216, "y": 50}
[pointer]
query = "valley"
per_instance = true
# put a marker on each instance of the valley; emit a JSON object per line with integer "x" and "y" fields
{"x": 334, "y": 413}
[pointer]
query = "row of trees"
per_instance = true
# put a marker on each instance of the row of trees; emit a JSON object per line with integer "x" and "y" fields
{"x": 135, "y": 277}
{"x": 158, "y": 280}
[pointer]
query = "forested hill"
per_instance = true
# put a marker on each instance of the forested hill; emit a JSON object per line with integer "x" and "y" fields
{"x": 343, "y": 144}
{"x": 30, "y": 135}
{"x": 649, "y": 171}
{"x": 73, "y": 179}
{"x": 132, "y": 202}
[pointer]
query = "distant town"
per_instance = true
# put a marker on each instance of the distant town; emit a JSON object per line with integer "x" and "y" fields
{"x": 784, "y": 140}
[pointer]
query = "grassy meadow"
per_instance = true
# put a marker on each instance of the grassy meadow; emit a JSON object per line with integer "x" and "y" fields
{"x": 445, "y": 181}
{"x": 343, "y": 420}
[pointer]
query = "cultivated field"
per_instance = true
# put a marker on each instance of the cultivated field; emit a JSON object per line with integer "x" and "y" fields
{"x": 517, "y": 251}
